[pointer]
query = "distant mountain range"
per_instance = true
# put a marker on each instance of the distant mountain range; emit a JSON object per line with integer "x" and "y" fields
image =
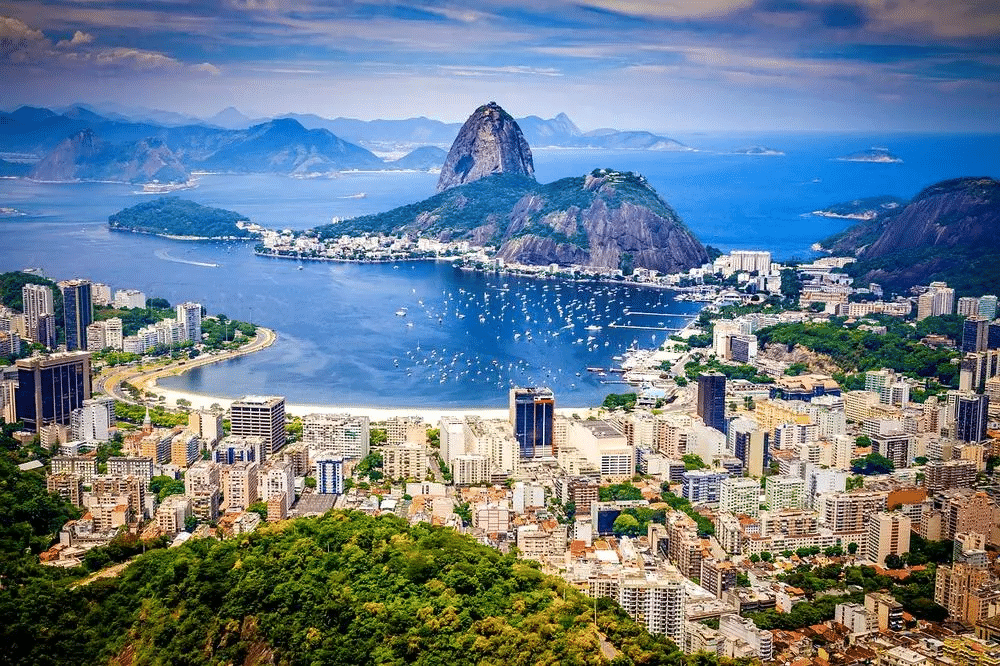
{"x": 948, "y": 232}
{"x": 81, "y": 142}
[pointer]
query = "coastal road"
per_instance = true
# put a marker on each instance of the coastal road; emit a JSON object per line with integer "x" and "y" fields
{"x": 112, "y": 383}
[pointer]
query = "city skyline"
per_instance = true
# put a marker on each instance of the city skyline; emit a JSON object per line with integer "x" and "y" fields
{"x": 663, "y": 66}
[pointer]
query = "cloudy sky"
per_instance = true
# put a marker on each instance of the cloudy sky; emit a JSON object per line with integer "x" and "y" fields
{"x": 659, "y": 65}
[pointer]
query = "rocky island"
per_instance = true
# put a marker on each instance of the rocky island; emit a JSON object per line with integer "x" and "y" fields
{"x": 489, "y": 199}
{"x": 182, "y": 219}
{"x": 758, "y": 150}
{"x": 875, "y": 155}
{"x": 861, "y": 209}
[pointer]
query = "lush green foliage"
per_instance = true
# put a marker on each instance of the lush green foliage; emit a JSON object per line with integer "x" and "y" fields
{"x": 619, "y": 491}
{"x": 858, "y": 350}
{"x": 134, "y": 318}
{"x": 158, "y": 416}
{"x": 693, "y": 461}
{"x": 624, "y": 401}
{"x": 342, "y": 589}
{"x": 705, "y": 526}
{"x": 29, "y": 515}
{"x": 164, "y": 486}
{"x": 873, "y": 463}
{"x": 694, "y": 368}
{"x": 173, "y": 216}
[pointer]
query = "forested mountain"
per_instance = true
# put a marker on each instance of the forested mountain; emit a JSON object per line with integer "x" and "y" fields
{"x": 346, "y": 588}
{"x": 950, "y": 231}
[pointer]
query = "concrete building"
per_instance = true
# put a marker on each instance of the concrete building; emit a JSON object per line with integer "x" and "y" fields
{"x": 338, "y": 435}
{"x": 702, "y": 485}
{"x": 717, "y": 576}
{"x": 329, "y": 475}
{"x": 740, "y": 496}
{"x": 939, "y": 299}
{"x": 51, "y": 387}
{"x": 888, "y": 534}
{"x": 277, "y": 483}
{"x": 885, "y": 613}
{"x": 241, "y": 486}
{"x": 189, "y": 317}
{"x": 604, "y": 446}
{"x": 750, "y": 444}
{"x": 656, "y": 601}
{"x": 901, "y": 656}
{"x": 67, "y": 485}
{"x": 784, "y": 492}
{"x": 943, "y": 474}
{"x": 236, "y": 448}
{"x": 258, "y": 416}
{"x": 207, "y": 425}
{"x": 848, "y": 512}
{"x": 403, "y": 429}
{"x": 172, "y": 514}
{"x": 93, "y": 420}
{"x": 126, "y": 299}
{"x": 470, "y": 469}
{"x": 84, "y": 467}
{"x": 201, "y": 476}
{"x": 138, "y": 466}
{"x": 404, "y": 461}
{"x": 854, "y": 617}
{"x": 955, "y": 588}
{"x": 106, "y": 334}
{"x": 38, "y": 306}
{"x": 185, "y": 448}
{"x": 742, "y": 629}
{"x": 109, "y": 488}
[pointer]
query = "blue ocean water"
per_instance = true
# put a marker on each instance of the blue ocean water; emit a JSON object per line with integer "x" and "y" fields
{"x": 465, "y": 338}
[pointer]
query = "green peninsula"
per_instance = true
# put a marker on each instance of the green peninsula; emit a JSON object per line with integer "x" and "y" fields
{"x": 174, "y": 217}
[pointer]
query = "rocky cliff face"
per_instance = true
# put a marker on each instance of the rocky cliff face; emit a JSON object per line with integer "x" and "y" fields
{"x": 489, "y": 142}
{"x": 948, "y": 232}
{"x": 607, "y": 219}
{"x": 84, "y": 156}
{"x": 954, "y": 212}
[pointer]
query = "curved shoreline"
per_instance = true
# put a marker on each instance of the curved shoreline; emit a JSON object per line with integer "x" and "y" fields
{"x": 145, "y": 381}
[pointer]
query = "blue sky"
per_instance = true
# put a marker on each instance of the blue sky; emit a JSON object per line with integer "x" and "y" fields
{"x": 666, "y": 66}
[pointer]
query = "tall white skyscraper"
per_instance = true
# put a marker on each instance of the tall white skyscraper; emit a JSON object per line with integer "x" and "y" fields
{"x": 189, "y": 316}
{"x": 37, "y": 302}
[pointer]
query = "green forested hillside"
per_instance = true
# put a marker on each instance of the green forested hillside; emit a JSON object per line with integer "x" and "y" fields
{"x": 346, "y": 588}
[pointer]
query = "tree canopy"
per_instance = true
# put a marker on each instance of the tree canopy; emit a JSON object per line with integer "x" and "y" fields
{"x": 346, "y": 588}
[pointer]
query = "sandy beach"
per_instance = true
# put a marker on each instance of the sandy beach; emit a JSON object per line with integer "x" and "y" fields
{"x": 148, "y": 383}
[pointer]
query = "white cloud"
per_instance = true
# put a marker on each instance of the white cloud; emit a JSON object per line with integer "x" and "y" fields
{"x": 207, "y": 68}
{"x": 671, "y": 8}
{"x": 460, "y": 70}
{"x": 78, "y": 39}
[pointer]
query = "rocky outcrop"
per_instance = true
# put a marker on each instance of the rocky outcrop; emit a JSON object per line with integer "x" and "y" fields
{"x": 781, "y": 354}
{"x": 489, "y": 142}
{"x": 956, "y": 212}
{"x": 948, "y": 232}
{"x": 614, "y": 220}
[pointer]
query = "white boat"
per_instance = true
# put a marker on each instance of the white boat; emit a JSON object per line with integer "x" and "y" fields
{"x": 401, "y": 312}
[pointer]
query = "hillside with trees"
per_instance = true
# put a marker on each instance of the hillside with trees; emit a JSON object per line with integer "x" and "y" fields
{"x": 346, "y": 588}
